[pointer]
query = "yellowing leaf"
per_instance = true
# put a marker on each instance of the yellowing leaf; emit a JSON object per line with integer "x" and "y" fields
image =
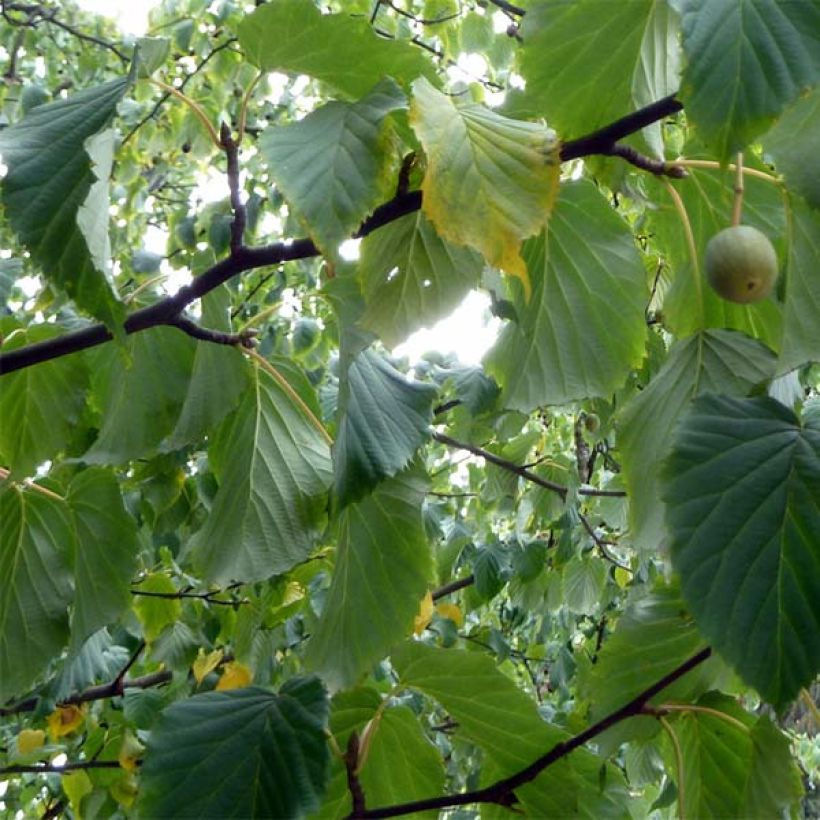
{"x": 425, "y": 615}
{"x": 491, "y": 181}
{"x": 294, "y": 592}
{"x": 124, "y": 791}
{"x": 451, "y": 611}
{"x": 77, "y": 785}
{"x": 30, "y": 739}
{"x": 130, "y": 752}
{"x": 64, "y": 720}
{"x": 205, "y": 664}
{"x": 235, "y": 676}
{"x": 622, "y": 577}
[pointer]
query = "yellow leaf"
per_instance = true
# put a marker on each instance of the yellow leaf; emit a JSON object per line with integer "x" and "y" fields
{"x": 130, "y": 752}
{"x": 491, "y": 181}
{"x": 124, "y": 791}
{"x": 205, "y": 664}
{"x": 64, "y": 720}
{"x": 425, "y": 615}
{"x": 30, "y": 739}
{"x": 294, "y": 592}
{"x": 234, "y": 676}
{"x": 451, "y": 611}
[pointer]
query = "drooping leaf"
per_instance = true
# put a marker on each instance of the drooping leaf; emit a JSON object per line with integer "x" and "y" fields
{"x": 493, "y": 713}
{"x": 794, "y": 144}
{"x": 566, "y": 61}
{"x": 801, "y": 330}
{"x": 39, "y": 406}
{"x": 383, "y": 566}
{"x": 490, "y": 181}
{"x": 50, "y": 178}
{"x": 140, "y": 393}
{"x": 338, "y": 49}
{"x": 243, "y": 753}
{"x": 385, "y": 418}
{"x": 35, "y": 585}
{"x": 690, "y": 304}
{"x": 273, "y": 467}
{"x": 218, "y": 377}
{"x": 584, "y": 328}
{"x": 334, "y": 166}
{"x": 733, "y": 764}
{"x": 742, "y": 492}
{"x": 105, "y": 557}
{"x": 714, "y": 360}
{"x": 746, "y": 61}
{"x": 411, "y": 277}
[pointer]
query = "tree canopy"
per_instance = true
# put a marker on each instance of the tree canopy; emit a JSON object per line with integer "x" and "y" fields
{"x": 254, "y": 562}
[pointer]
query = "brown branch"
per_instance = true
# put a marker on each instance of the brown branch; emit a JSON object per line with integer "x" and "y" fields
{"x": 502, "y": 792}
{"x": 354, "y": 786}
{"x": 232, "y": 153}
{"x": 50, "y": 768}
{"x": 244, "y": 259}
{"x": 208, "y": 597}
{"x": 645, "y": 163}
{"x": 509, "y": 7}
{"x": 524, "y": 473}
{"x": 453, "y": 586}
{"x": 244, "y": 339}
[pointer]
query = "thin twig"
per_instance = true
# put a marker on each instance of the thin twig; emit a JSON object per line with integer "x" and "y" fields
{"x": 654, "y": 166}
{"x": 244, "y": 339}
{"x": 51, "y": 768}
{"x": 602, "y": 548}
{"x": 354, "y": 786}
{"x": 209, "y": 597}
{"x": 737, "y": 206}
{"x": 231, "y": 148}
{"x": 453, "y": 586}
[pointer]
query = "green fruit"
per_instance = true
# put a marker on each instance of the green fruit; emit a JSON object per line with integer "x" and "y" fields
{"x": 741, "y": 264}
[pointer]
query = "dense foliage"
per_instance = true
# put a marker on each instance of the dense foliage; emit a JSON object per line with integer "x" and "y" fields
{"x": 253, "y": 563}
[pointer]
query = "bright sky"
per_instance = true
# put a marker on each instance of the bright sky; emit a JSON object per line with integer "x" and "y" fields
{"x": 468, "y": 332}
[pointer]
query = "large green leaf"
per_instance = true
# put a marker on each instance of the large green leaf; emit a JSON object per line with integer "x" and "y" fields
{"x": 335, "y": 166}
{"x": 495, "y": 715}
{"x": 490, "y": 181}
{"x": 385, "y": 418}
{"x": 733, "y": 764}
{"x": 794, "y": 144}
{"x": 411, "y": 277}
{"x": 742, "y": 492}
{"x": 139, "y": 393}
{"x": 105, "y": 556}
{"x": 654, "y": 636}
{"x": 340, "y": 50}
{"x": 566, "y": 61}
{"x": 218, "y": 376}
{"x": 690, "y": 304}
{"x": 747, "y": 60}
{"x": 273, "y": 467}
{"x": 35, "y": 585}
{"x": 714, "y": 360}
{"x": 39, "y": 406}
{"x": 243, "y": 753}
{"x": 383, "y": 566}
{"x": 50, "y": 179}
{"x": 584, "y": 328}
{"x": 801, "y": 328}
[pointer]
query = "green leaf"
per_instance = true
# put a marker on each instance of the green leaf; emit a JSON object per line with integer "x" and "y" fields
{"x": 243, "y": 753}
{"x": 382, "y": 569}
{"x": 154, "y": 611}
{"x": 794, "y": 144}
{"x": 411, "y": 277}
{"x": 494, "y": 714}
{"x": 105, "y": 559}
{"x": 40, "y": 406}
{"x": 273, "y": 468}
{"x": 742, "y": 492}
{"x": 490, "y": 181}
{"x": 801, "y": 330}
{"x": 747, "y": 60}
{"x": 335, "y": 166}
{"x": 733, "y": 766}
{"x": 584, "y": 581}
{"x": 714, "y": 360}
{"x": 340, "y": 50}
{"x": 385, "y": 418}
{"x": 584, "y": 328}
{"x": 98, "y": 659}
{"x": 402, "y": 764}
{"x": 654, "y": 636}
{"x": 153, "y": 52}
{"x": 218, "y": 378}
{"x": 50, "y": 179}
{"x": 140, "y": 393}
{"x": 35, "y": 585}
{"x": 566, "y": 61}
{"x": 690, "y": 304}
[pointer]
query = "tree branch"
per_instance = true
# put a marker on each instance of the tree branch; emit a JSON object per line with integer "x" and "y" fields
{"x": 50, "y": 768}
{"x": 453, "y": 586}
{"x": 243, "y": 259}
{"x": 502, "y": 791}
{"x": 204, "y": 334}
